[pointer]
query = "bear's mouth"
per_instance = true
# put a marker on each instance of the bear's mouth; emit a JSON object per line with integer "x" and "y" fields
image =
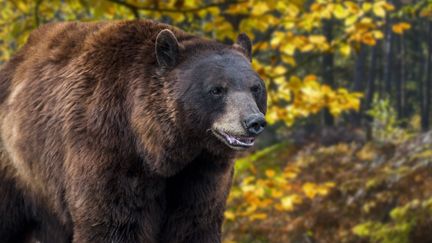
{"x": 235, "y": 142}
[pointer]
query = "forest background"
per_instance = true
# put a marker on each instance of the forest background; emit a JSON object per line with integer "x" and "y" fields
{"x": 347, "y": 156}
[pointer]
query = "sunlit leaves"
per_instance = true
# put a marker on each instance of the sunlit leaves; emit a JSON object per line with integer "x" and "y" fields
{"x": 259, "y": 195}
{"x": 400, "y": 28}
{"x": 340, "y": 12}
{"x": 345, "y": 49}
{"x": 260, "y": 8}
{"x": 378, "y": 9}
{"x": 342, "y": 193}
{"x": 298, "y": 30}
{"x": 307, "y": 97}
{"x": 270, "y": 173}
{"x": 288, "y": 203}
{"x": 312, "y": 190}
{"x": 366, "y": 6}
{"x": 403, "y": 220}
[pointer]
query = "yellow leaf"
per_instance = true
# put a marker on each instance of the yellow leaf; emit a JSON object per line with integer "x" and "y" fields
{"x": 251, "y": 209}
{"x": 288, "y": 48}
{"x": 289, "y": 59}
{"x": 179, "y": 17}
{"x": 330, "y": 184}
{"x": 208, "y": 26}
{"x": 248, "y": 188}
{"x": 326, "y": 11}
{"x": 340, "y": 12}
{"x": 368, "y": 39}
{"x": 399, "y": 28}
{"x": 426, "y": 12}
{"x": 317, "y": 39}
{"x": 379, "y": 10}
{"x": 258, "y": 216}
{"x": 377, "y": 34}
{"x": 248, "y": 180}
{"x": 277, "y": 193}
{"x": 352, "y": 7}
{"x": 260, "y": 8}
{"x": 214, "y": 11}
{"x": 366, "y": 21}
{"x": 22, "y": 6}
{"x": 277, "y": 38}
{"x": 279, "y": 70}
{"x": 351, "y": 20}
{"x": 295, "y": 83}
{"x": 292, "y": 10}
{"x": 310, "y": 189}
{"x": 229, "y": 215}
{"x": 388, "y": 6}
{"x": 289, "y": 25}
{"x": 307, "y": 48}
{"x": 366, "y": 7}
{"x": 289, "y": 202}
{"x": 280, "y": 81}
{"x": 316, "y": 7}
{"x": 270, "y": 173}
{"x": 310, "y": 77}
{"x": 345, "y": 49}
{"x": 236, "y": 9}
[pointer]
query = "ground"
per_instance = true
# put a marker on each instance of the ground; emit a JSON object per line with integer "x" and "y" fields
{"x": 348, "y": 192}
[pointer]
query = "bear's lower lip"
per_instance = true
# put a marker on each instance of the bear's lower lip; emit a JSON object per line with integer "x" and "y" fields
{"x": 236, "y": 142}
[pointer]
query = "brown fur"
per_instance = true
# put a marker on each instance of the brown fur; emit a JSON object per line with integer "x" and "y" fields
{"x": 93, "y": 146}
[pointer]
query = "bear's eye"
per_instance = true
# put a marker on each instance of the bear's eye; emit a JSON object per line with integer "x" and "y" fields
{"x": 217, "y": 91}
{"x": 255, "y": 88}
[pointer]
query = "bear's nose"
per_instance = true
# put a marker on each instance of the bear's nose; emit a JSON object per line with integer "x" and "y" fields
{"x": 255, "y": 123}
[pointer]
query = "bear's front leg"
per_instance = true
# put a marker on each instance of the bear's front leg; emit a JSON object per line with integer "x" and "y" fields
{"x": 114, "y": 200}
{"x": 15, "y": 220}
{"x": 196, "y": 199}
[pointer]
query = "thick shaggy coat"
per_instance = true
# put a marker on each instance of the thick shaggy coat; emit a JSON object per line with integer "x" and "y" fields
{"x": 108, "y": 133}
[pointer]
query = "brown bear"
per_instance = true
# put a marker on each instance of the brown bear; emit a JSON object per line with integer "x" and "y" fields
{"x": 123, "y": 132}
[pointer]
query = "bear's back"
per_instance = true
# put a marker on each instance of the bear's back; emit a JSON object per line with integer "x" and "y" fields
{"x": 51, "y": 43}
{"x": 52, "y": 47}
{"x": 56, "y": 77}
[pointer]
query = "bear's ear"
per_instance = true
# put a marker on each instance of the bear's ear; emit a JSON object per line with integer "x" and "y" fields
{"x": 244, "y": 42}
{"x": 167, "y": 49}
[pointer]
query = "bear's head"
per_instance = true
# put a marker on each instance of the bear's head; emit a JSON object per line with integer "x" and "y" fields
{"x": 221, "y": 98}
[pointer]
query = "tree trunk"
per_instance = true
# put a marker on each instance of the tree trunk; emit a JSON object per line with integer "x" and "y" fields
{"x": 359, "y": 79}
{"x": 359, "y": 72}
{"x": 370, "y": 89}
{"x": 388, "y": 44}
{"x": 427, "y": 84}
{"x": 399, "y": 80}
{"x": 418, "y": 63}
{"x": 328, "y": 63}
{"x": 403, "y": 79}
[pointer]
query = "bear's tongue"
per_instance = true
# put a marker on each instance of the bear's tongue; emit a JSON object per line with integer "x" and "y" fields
{"x": 239, "y": 141}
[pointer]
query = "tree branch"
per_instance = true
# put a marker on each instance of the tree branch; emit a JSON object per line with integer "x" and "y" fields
{"x": 174, "y": 10}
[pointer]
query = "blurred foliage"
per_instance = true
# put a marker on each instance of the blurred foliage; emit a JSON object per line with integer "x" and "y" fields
{"x": 403, "y": 221}
{"x": 348, "y": 192}
{"x": 385, "y": 124}
{"x": 307, "y": 97}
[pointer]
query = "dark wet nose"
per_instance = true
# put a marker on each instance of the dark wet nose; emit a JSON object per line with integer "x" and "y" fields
{"x": 255, "y": 123}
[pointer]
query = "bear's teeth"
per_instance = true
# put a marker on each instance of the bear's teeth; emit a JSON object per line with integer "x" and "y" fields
{"x": 238, "y": 141}
{"x": 241, "y": 141}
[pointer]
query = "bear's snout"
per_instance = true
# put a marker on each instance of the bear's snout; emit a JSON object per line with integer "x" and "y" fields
{"x": 255, "y": 123}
